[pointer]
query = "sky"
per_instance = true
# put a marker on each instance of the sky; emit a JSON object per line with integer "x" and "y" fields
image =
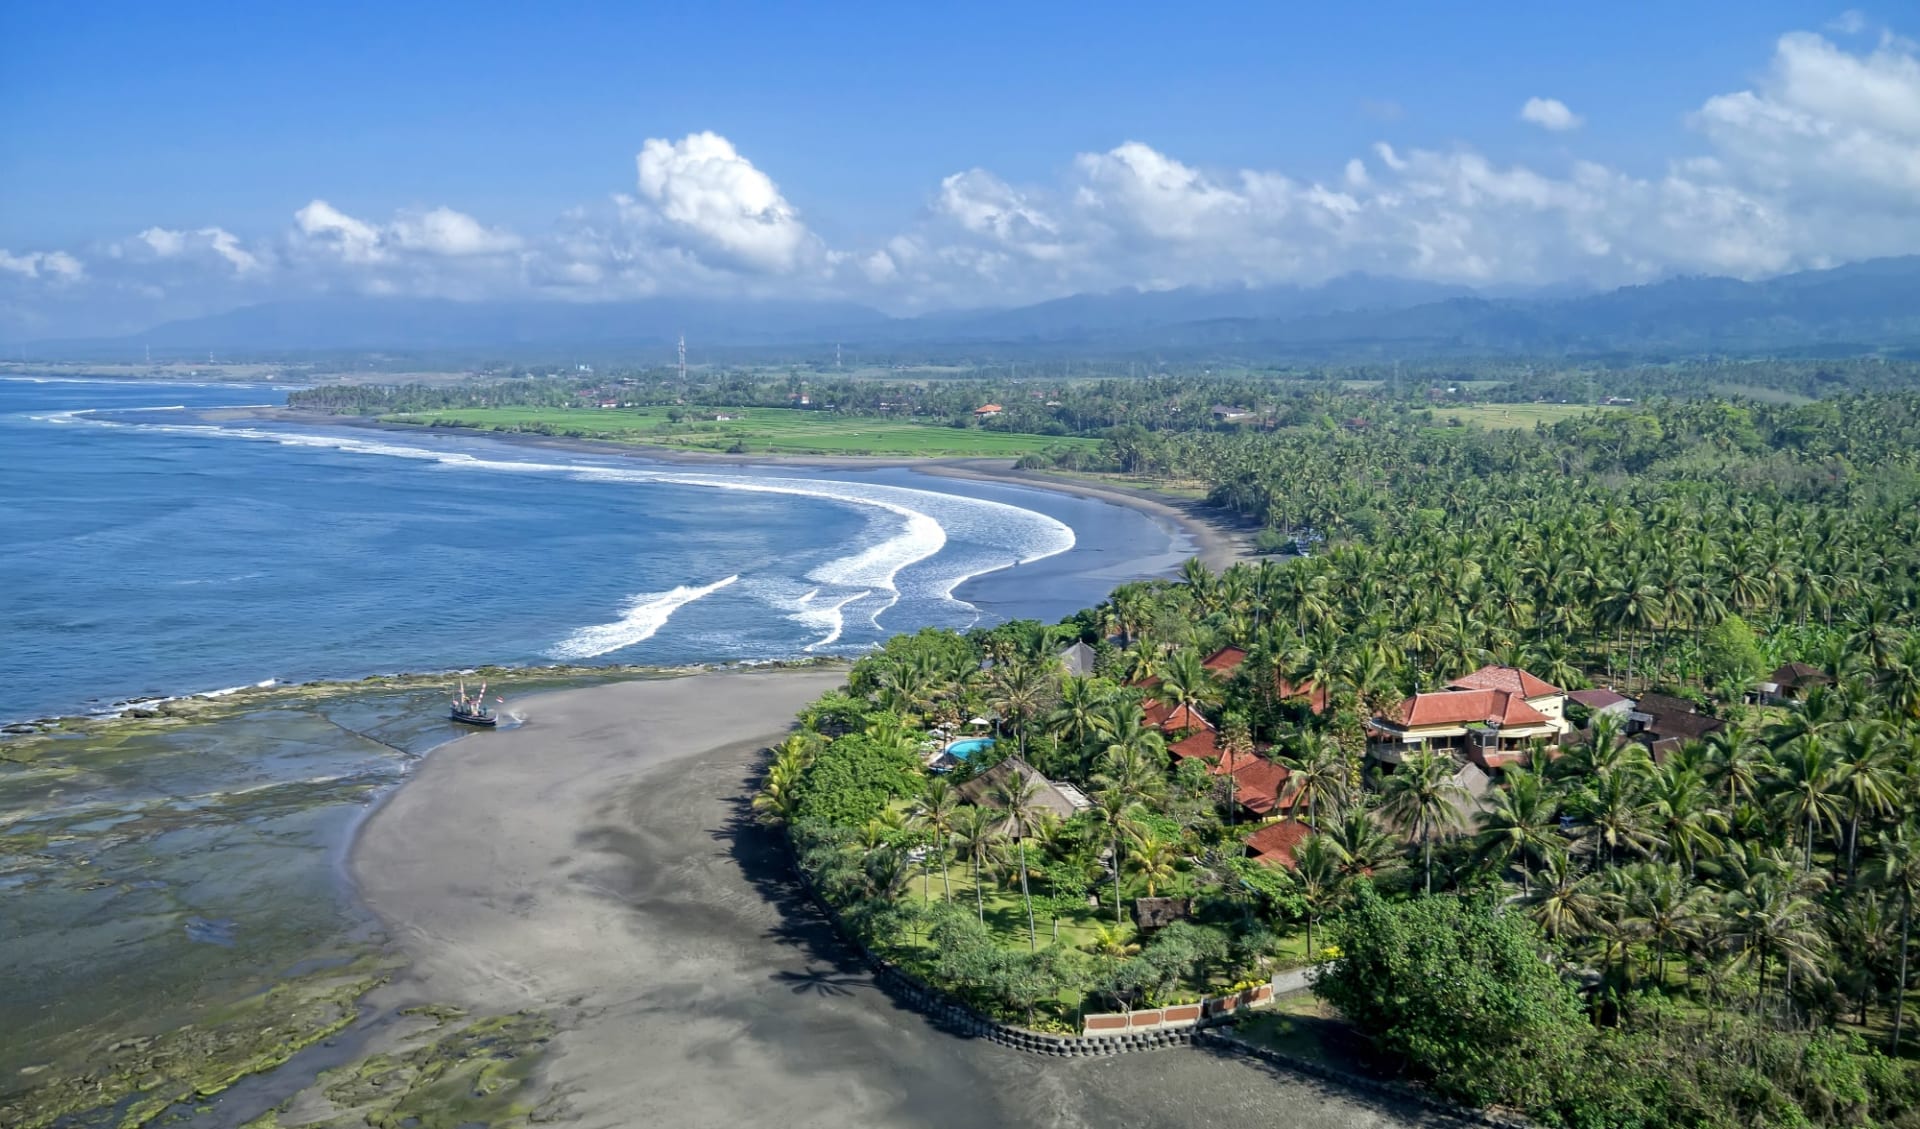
{"x": 161, "y": 161}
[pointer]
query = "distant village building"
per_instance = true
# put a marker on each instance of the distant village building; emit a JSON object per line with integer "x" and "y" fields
{"x": 1790, "y": 683}
{"x": 986, "y": 410}
{"x": 1223, "y": 413}
{"x": 1664, "y": 723}
{"x": 1602, "y": 703}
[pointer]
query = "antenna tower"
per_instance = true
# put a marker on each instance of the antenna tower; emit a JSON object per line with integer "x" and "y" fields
{"x": 683, "y": 357}
{"x": 836, "y": 355}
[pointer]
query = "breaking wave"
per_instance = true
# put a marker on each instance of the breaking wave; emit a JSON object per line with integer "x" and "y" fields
{"x": 646, "y": 613}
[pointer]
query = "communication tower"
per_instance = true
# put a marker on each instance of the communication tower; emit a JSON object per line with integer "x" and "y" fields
{"x": 683, "y": 357}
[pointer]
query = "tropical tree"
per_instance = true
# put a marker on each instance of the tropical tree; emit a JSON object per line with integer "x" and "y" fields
{"x": 975, "y": 831}
{"x": 1423, "y": 797}
{"x": 935, "y": 811}
{"x": 1895, "y": 868}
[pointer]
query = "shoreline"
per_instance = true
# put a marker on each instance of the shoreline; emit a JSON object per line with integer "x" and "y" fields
{"x": 600, "y": 868}
{"x": 1218, "y": 539}
{"x": 212, "y": 705}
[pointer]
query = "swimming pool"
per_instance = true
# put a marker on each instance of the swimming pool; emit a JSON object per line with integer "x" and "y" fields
{"x": 965, "y": 749}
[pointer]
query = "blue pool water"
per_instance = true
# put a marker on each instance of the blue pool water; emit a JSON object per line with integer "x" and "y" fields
{"x": 965, "y": 749}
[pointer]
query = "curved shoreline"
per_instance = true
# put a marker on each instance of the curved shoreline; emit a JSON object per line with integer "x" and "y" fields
{"x": 600, "y": 865}
{"x": 1218, "y": 540}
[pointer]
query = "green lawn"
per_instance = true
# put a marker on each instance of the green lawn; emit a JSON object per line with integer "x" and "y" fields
{"x": 756, "y": 430}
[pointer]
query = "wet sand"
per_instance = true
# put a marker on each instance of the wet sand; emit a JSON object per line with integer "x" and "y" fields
{"x": 599, "y": 863}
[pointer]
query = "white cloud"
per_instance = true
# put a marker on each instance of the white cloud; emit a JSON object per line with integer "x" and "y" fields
{"x": 444, "y": 231}
{"x": 212, "y": 243}
{"x": 57, "y": 267}
{"x": 1824, "y": 123}
{"x": 723, "y": 206}
{"x": 355, "y": 241}
{"x": 1818, "y": 162}
{"x": 1550, "y": 113}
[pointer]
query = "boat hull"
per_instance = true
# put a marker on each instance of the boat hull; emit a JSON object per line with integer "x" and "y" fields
{"x": 483, "y": 720}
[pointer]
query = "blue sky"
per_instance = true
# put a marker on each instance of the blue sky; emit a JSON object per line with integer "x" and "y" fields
{"x": 915, "y": 157}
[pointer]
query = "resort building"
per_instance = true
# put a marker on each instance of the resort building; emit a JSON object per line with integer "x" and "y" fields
{"x": 1078, "y": 659}
{"x": 1060, "y": 799}
{"x": 1491, "y": 718}
{"x": 1226, "y": 661}
{"x": 1276, "y": 843}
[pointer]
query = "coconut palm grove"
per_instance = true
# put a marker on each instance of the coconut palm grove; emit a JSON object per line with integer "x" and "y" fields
{"x": 1578, "y": 762}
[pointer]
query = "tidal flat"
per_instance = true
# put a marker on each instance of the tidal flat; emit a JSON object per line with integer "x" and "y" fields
{"x": 177, "y": 915}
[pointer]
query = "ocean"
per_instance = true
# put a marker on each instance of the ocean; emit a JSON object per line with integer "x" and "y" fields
{"x": 145, "y": 552}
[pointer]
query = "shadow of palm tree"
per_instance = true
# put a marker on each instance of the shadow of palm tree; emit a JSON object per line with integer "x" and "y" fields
{"x": 819, "y": 982}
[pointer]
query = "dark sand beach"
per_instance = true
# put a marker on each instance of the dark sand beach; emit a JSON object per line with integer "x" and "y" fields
{"x": 597, "y": 864}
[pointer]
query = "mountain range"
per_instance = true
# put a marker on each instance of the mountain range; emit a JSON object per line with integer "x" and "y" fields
{"x": 1861, "y": 307}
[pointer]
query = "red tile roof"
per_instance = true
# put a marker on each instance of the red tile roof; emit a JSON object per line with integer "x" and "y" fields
{"x": 1463, "y": 707}
{"x": 1202, "y": 743}
{"x": 1315, "y": 695}
{"x": 1226, "y": 660}
{"x": 1172, "y": 719}
{"x": 1259, "y": 785}
{"x": 1511, "y": 679}
{"x": 1276, "y": 842}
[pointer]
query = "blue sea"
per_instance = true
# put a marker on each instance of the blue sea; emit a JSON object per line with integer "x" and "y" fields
{"x": 145, "y": 551}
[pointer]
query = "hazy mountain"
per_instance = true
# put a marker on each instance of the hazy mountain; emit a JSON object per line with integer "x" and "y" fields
{"x": 421, "y": 324}
{"x": 1859, "y": 307}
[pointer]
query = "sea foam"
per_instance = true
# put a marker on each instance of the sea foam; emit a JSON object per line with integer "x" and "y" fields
{"x": 645, "y": 614}
{"x": 910, "y": 527}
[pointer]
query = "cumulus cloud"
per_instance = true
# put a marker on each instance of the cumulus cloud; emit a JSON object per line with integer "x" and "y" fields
{"x": 215, "y": 244}
{"x": 1823, "y": 120}
{"x": 1550, "y": 113}
{"x": 716, "y": 200}
{"x": 57, "y": 267}
{"x": 1817, "y": 162}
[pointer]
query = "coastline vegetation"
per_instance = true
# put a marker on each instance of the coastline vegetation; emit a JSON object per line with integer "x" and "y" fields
{"x": 1716, "y": 933}
{"x": 752, "y": 431}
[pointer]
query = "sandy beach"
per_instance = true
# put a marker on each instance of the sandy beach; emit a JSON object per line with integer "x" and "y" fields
{"x": 598, "y": 863}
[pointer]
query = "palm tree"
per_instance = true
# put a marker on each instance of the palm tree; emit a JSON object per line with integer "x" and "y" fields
{"x": 1564, "y": 902}
{"x": 1807, "y": 782}
{"x": 1895, "y": 868}
{"x": 1153, "y": 859}
{"x": 1020, "y": 690}
{"x": 1681, "y": 813}
{"x": 1364, "y": 849}
{"x": 1423, "y": 798}
{"x": 1768, "y": 922}
{"x": 1872, "y": 782}
{"x": 1664, "y": 906}
{"x": 1113, "y": 810}
{"x": 1520, "y": 821}
{"x": 935, "y": 811}
{"x": 975, "y": 831}
{"x": 1317, "y": 776}
{"x": 1015, "y": 796}
{"x": 1317, "y": 873}
{"x": 1613, "y": 806}
{"x": 1076, "y": 717}
{"x": 1186, "y": 684}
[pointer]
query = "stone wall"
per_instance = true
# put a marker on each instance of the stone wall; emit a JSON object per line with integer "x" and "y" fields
{"x": 1208, "y": 1012}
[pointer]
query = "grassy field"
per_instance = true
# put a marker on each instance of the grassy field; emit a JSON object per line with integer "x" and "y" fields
{"x": 1495, "y": 417}
{"x": 751, "y": 431}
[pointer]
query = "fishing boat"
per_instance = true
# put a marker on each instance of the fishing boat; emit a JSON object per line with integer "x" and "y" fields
{"x": 473, "y": 710}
